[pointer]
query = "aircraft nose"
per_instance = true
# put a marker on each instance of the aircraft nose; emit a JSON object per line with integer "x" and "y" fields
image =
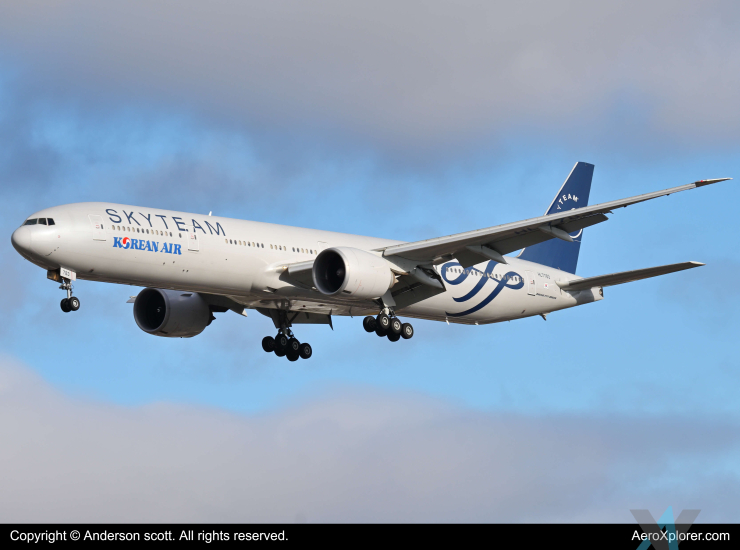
{"x": 21, "y": 239}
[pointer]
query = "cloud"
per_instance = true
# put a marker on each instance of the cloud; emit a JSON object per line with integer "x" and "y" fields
{"x": 410, "y": 77}
{"x": 348, "y": 455}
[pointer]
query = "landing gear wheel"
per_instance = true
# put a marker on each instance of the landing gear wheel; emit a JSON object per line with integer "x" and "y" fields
{"x": 379, "y": 331}
{"x": 279, "y": 352}
{"x": 383, "y": 322}
{"x": 281, "y": 343}
{"x": 396, "y": 326}
{"x": 368, "y": 323}
{"x": 292, "y": 356}
{"x": 294, "y": 347}
{"x": 407, "y": 331}
{"x": 65, "y": 305}
{"x": 306, "y": 352}
{"x": 268, "y": 344}
{"x": 73, "y": 303}
{"x": 393, "y": 337}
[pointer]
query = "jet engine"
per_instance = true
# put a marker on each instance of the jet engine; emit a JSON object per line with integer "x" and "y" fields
{"x": 352, "y": 272}
{"x": 171, "y": 313}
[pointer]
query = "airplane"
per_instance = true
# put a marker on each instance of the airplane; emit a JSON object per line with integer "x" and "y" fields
{"x": 193, "y": 266}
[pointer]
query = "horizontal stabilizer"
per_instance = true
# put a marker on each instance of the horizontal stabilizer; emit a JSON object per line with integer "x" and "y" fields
{"x": 625, "y": 276}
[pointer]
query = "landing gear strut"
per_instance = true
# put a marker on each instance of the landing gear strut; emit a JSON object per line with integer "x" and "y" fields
{"x": 285, "y": 344}
{"x": 70, "y": 303}
{"x": 388, "y": 325}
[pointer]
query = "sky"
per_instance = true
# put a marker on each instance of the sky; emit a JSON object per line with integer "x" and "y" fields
{"x": 404, "y": 120}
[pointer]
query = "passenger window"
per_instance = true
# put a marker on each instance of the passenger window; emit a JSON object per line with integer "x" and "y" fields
{"x": 31, "y": 222}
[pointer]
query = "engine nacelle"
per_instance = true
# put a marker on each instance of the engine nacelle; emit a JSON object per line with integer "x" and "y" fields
{"x": 352, "y": 272}
{"x": 171, "y": 313}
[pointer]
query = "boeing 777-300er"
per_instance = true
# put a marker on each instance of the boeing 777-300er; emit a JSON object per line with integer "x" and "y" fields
{"x": 194, "y": 265}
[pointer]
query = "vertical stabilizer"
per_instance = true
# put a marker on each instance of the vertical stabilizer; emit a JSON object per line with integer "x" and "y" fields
{"x": 573, "y": 194}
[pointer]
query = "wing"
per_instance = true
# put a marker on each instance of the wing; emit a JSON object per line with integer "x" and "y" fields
{"x": 492, "y": 243}
{"x": 625, "y": 276}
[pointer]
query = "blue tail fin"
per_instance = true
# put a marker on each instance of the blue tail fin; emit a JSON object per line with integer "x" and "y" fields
{"x": 573, "y": 194}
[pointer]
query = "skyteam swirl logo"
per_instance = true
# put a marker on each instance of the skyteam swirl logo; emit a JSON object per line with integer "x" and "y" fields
{"x": 509, "y": 280}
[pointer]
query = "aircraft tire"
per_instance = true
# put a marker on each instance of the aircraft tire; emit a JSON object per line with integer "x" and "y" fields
{"x": 393, "y": 337}
{"x": 294, "y": 346}
{"x": 306, "y": 351}
{"x": 65, "y": 305}
{"x": 396, "y": 326}
{"x": 281, "y": 343}
{"x": 74, "y": 303}
{"x": 383, "y": 322}
{"x": 368, "y": 323}
{"x": 379, "y": 331}
{"x": 292, "y": 356}
{"x": 279, "y": 352}
{"x": 407, "y": 331}
{"x": 268, "y": 344}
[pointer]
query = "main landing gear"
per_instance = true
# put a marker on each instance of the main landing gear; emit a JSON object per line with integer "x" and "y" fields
{"x": 287, "y": 345}
{"x": 70, "y": 303}
{"x": 388, "y": 325}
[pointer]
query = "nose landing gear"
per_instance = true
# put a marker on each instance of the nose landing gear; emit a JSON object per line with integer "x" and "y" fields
{"x": 388, "y": 325}
{"x": 70, "y": 303}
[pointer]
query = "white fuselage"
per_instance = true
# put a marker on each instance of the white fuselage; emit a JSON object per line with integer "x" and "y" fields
{"x": 244, "y": 260}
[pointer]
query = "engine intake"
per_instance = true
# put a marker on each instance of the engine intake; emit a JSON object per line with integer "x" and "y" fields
{"x": 171, "y": 313}
{"x": 351, "y": 271}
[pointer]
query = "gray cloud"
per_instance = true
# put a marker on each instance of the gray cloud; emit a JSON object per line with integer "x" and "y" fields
{"x": 348, "y": 456}
{"x": 406, "y": 77}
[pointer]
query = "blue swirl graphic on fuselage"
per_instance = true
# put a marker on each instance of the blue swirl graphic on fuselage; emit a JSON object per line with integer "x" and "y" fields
{"x": 504, "y": 282}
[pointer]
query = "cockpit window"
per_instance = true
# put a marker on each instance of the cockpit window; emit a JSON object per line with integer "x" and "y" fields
{"x": 41, "y": 221}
